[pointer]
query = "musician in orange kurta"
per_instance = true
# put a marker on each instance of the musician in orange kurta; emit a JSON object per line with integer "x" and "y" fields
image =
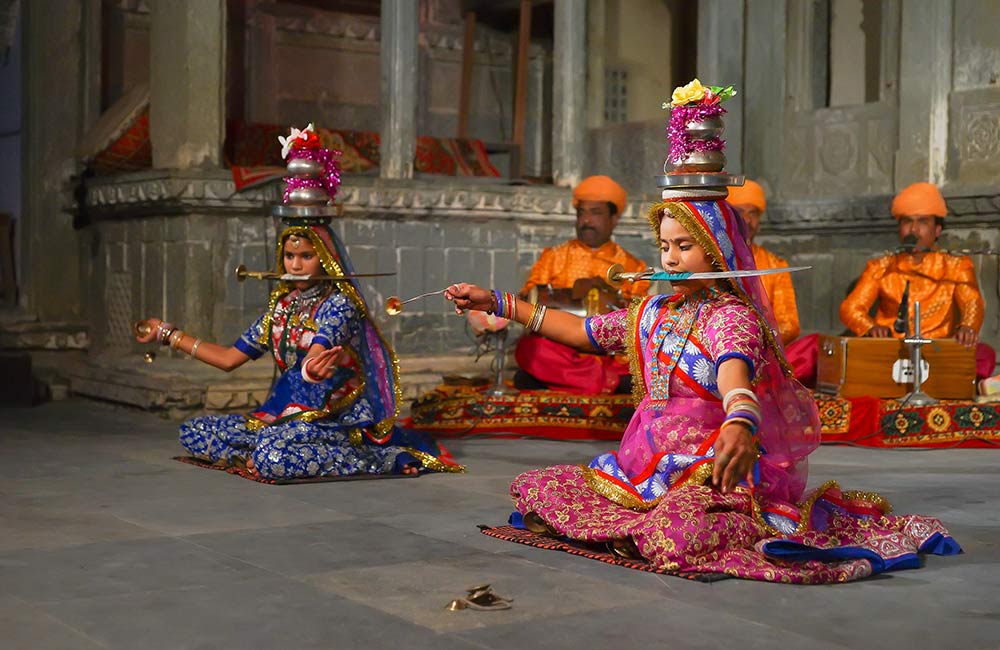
{"x": 944, "y": 284}
{"x": 749, "y": 201}
{"x": 599, "y": 202}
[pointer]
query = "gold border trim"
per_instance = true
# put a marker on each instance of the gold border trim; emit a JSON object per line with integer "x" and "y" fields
{"x": 432, "y": 463}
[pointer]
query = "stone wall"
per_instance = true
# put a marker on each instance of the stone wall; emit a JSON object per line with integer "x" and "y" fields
{"x": 165, "y": 244}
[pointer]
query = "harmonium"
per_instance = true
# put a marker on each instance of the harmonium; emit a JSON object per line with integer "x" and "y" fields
{"x": 856, "y": 366}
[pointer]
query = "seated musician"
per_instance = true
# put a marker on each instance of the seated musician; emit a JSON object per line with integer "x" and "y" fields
{"x": 944, "y": 284}
{"x": 749, "y": 202}
{"x": 564, "y": 275}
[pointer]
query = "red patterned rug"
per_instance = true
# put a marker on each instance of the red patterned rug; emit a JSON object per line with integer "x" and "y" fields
{"x": 871, "y": 422}
{"x": 593, "y": 551}
{"x": 242, "y": 472}
{"x": 451, "y": 411}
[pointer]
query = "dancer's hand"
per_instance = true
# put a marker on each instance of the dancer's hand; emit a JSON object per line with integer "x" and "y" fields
{"x": 322, "y": 365}
{"x": 735, "y": 454}
{"x": 468, "y": 296}
{"x": 152, "y": 335}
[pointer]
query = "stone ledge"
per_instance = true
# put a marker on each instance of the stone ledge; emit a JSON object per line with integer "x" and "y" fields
{"x": 178, "y": 388}
{"x": 163, "y": 192}
{"x": 966, "y": 207}
{"x": 34, "y": 335}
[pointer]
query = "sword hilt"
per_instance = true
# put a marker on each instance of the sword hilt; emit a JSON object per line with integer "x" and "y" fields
{"x": 617, "y": 274}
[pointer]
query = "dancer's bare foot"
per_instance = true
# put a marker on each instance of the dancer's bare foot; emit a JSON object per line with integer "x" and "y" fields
{"x": 251, "y": 468}
{"x": 411, "y": 469}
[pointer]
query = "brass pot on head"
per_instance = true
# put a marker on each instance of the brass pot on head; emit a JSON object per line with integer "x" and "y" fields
{"x": 706, "y": 129}
{"x": 308, "y": 196}
{"x": 697, "y": 162}
{"x": 305, "y": 167}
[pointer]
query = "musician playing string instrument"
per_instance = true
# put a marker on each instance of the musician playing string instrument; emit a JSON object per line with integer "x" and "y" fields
{"x": 565, "y": 275}
{"x": 951, "y": 305}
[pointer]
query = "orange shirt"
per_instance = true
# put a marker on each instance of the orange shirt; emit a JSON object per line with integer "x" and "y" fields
{"x": 780, "y": 292}
{"x": 566, "y": 263}
{"x": 944, "y": 284}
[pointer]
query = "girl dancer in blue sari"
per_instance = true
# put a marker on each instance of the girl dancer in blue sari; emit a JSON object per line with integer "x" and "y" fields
{"x": 332, "y": 411}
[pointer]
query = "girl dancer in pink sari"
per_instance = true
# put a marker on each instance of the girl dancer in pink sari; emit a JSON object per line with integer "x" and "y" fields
{"x": 711, "y": 471}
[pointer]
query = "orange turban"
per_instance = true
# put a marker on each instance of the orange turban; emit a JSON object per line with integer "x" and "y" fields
{"x": 919, "y": 200}
{"x": 600, "y": 188}
{"x": 749, "y": 193}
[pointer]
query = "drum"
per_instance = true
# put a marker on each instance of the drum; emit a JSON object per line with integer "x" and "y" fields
{"x": 856, "y": 366}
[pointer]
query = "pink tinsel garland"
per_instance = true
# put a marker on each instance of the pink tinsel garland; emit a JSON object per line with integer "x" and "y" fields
{"x": 681, "y": 146}
{"x": 329, "y": 180}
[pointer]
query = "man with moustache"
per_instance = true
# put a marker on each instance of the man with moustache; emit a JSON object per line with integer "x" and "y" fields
{"x": 944, "y": 284}
{"x": 599, "y": 202}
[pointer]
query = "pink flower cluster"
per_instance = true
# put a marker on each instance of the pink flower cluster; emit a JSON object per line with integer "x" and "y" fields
{"x": 681, "y": 146}
{"x": 329, "y": 180}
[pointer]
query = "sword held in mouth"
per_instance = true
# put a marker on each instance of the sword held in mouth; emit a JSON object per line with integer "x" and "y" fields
{"x": 242, "y": 274}
{"x": 617, "y": 275}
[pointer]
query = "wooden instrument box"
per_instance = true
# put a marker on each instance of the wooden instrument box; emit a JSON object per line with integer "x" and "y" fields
{"x": 855, "y": 366}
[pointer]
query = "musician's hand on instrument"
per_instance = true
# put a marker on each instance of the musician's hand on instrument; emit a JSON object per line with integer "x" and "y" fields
{"x": 966, "y": 336}
{"x": 735, "y": 454}
{"x": 322, "y": 365}
{"x": 879, "y": 332}
{"x": 468, "y": 296}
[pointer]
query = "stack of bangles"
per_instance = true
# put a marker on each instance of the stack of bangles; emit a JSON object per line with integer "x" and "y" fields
{"x": 742, "y": 406}
{"x": 535, "y": 319}
{"x": 504, "y": 305}
{"x": 167, "y": 334}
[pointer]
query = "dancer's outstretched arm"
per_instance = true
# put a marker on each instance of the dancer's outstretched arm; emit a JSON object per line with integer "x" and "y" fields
{"x": 222, "y": 357}
{"x": 557, "y": 325}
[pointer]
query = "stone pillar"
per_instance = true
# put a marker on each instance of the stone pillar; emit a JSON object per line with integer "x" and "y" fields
{"x": 399, "y": 88}
{"x": 51, "y": 282}
{"x": 569, "y": 92}
{"x": 187, "y": 75}
{"x": 720, "y": 63}
{"x": 925, "y": 79}
{"x": 764, "y": 90}
{"x": 597, "y": 11}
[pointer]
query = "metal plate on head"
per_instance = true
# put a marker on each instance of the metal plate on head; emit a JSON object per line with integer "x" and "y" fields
{"x": 305, "y": 211}
{"x": 699, "y": 180}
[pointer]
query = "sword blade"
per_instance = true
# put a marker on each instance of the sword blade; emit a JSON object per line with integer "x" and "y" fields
{"x": 662, "y": 275}
{"x": 290, "y": 277}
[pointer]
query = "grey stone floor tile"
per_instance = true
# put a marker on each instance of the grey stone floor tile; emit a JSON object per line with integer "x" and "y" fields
{"x": 385, "y": 498}
{"x": 418, "y": 591}
{"x": 108, "y": 568}
{"x": 23, "y": 627}
{"x": 310, "y": 548}
{"x": 40, "y": 524}
{"x": 106, "y": 541}
{"x": 929, "y": 608}
{"x": 652, "y": 623}
{"x": 261, "y": 613}
{"x": 187, "y": 501}
{"x": 459, "y": 526}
